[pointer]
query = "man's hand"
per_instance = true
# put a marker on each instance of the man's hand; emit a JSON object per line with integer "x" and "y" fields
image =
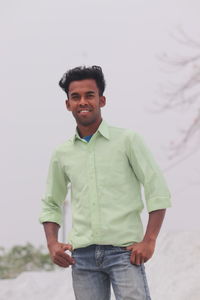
{"x": 141, "y": 252}
{"x": 58, "y": 255}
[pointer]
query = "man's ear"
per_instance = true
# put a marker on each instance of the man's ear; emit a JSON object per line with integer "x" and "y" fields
{"x": 67, "y": 105}
{"x": 102, "y": 101}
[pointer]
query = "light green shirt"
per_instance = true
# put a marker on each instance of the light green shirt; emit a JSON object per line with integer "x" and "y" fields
{"x": 106, "y": 174}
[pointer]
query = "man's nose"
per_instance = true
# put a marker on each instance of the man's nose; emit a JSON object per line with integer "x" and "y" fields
{"x": 82, "y": 101}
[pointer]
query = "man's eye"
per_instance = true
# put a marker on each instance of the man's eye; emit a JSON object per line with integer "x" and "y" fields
{"x": 90, "y": 96}
{"x": 75, "y": 97}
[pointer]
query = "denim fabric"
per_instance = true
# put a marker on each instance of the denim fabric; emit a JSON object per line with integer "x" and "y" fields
{"x": 99, "y": 266}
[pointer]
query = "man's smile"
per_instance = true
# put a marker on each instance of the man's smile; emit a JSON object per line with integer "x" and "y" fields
{"x": 84, "y": 111}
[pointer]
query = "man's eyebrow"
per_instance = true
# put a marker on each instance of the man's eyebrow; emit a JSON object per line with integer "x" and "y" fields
{"x": 90, "y": 92}
{"x": 74, "y": 94}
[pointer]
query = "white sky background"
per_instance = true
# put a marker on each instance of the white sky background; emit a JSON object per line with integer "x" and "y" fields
{"x": 40, "y": 40}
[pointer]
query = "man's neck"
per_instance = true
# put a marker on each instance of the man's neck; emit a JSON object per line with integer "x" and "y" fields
{"x": 88, "y": 130}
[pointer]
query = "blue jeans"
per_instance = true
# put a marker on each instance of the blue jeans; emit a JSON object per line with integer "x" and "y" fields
{"x": 98, "y": 266}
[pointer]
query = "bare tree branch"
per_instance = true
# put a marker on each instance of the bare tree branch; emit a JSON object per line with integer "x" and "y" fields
{"x": 182, "y": 38}
{"x": 167, "y": 169}
{"x": 186, "y": 94}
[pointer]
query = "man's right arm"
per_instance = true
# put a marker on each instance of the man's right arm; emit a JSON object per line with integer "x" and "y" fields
{"x": 57, "y": 249}
{"x": 51, "y": 214}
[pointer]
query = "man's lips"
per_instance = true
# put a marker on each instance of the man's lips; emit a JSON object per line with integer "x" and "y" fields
{"x": 84, "y": 111}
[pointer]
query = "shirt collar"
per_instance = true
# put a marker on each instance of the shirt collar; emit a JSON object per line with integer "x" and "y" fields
{"x": 103, "y": 130}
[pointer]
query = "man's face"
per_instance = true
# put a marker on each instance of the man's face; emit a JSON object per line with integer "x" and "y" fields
{"x": 84, "y": 101}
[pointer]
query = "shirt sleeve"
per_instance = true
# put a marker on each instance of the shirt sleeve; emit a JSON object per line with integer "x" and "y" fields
{"x": 157, "y": 195}
{"x": 56, "y": 191}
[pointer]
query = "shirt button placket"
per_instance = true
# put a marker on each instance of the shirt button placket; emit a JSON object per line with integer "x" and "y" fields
{"x": 93, "y": 193}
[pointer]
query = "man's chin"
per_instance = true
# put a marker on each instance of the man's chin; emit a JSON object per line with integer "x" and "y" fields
{"x": 86, "y": 122}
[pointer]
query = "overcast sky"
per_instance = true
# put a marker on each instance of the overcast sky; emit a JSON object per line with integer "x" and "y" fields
{"x": 40, "y": 40}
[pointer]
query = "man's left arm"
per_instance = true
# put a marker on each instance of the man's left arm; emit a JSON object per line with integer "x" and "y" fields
{"x": 156, "y": 193}
{"x": 143, "y": 251}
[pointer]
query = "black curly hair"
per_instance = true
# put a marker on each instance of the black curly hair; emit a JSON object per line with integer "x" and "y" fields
{"x": 81, "y": 73}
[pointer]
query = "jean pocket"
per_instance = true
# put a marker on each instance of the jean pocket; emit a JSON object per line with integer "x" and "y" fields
{"x": 73, "y": 252}
{"x": 124, "y": 249}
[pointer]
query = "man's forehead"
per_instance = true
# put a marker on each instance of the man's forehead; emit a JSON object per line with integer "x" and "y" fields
{"x": 83, "y": 86}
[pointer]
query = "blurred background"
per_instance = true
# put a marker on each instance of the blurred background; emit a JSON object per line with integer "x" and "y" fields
{"x": 150, "y": 54}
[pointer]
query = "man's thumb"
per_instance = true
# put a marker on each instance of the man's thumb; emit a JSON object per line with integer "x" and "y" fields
{"x": 67, "y": 247}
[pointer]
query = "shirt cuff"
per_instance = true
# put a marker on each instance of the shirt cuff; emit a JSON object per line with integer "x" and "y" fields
{"x": 53, "y": 219}
{"x": 158, "y": 203}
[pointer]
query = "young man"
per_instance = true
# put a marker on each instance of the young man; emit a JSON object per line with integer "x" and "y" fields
{"x": 106, "y": 166}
